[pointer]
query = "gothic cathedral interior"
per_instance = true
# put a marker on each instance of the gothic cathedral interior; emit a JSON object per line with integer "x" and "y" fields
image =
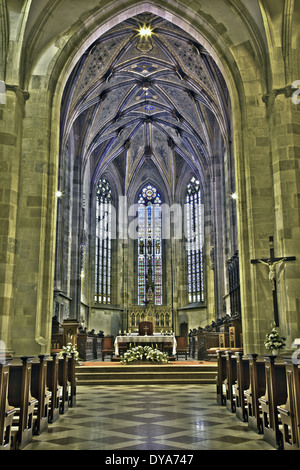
{"x": 149, "y": 163}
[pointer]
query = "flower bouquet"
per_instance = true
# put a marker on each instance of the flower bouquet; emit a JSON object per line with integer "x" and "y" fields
{"x": 70, "y": 348}
{"x": 273, "y": 341}
{"x": 146, "y": 354}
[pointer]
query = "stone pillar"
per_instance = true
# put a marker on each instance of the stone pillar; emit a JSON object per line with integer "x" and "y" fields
{"x": 11, "y": 126}
{"x": 282, "y": 116}
{"x": 285, "y": 137}
{"x": 31, "y": 316}
{"x": 255, "y": 204}
{"x": 76, "y": 227}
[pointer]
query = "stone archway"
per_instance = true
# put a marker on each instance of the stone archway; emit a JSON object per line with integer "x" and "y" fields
{"x": 247, "y": 83}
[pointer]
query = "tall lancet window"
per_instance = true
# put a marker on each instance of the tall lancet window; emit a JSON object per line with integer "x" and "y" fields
{"x": 149, "y": 247}
{"x": 193, "y": 209}
{"x": 103, "y": 242}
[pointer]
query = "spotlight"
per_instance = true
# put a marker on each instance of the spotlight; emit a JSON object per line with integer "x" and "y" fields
{"x": 145, "y": 31}
{"x": 234, "y": 195}
{"x": 58, "y": 194}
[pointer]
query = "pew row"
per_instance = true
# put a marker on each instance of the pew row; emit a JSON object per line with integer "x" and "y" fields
{"x": 263, "y": 391}
{"x": 275, "y": 394}
{"x": 230, "y": 380}
{"x": 6, "y": 411}
{"x": 290, "y": 410}
{"x": 40, "y": 391}
{"x": 63, "y": 383}
{"x": 242, "y": 383}
{"x": 54, "y": 387}
{"x": 221, "y": 377}
{"x": 33, "y": 393}
{"x": 19, "y": 396}
{"x": 257, "y": 386}
{"x": 226, "y": 377}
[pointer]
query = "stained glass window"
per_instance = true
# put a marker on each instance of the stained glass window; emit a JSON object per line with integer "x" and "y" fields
{"x": 149, "y": 247}
{"x": 103, "y": 242}
{"x": 193, "y": 209}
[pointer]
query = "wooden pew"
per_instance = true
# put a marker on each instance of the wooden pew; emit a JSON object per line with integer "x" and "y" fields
{"x": 19, "y": 396}
{"x": 6, "y": 411}
{"x": 86, "y": 346}
{"x": 209, "y": 343}
{"x": 99, "y": 342}
{"x": 275, "y": 394}
{"x": 54, "y": 387}
{"x": 192, "y": 345}
{"x": 242, "y": 384}
{"x": 290, "y": 410}
{"x": 230, "y": 380}
{"x": 221, "y": 364}
{"x": 40, "y": 390}
{"x": 63, "y": 382}
{"x": 56, "y": 342}
{"x": 72, "y": 379}
{"x": 257, "y": 387}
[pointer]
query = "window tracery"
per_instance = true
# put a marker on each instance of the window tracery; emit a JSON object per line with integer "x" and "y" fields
{"x": 103, "y": 242}
{"x": 149, "y": 247}
{"x": 193, "y": 208}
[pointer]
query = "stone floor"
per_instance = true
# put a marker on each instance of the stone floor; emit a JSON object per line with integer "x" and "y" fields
{"x": 148, "y": 417}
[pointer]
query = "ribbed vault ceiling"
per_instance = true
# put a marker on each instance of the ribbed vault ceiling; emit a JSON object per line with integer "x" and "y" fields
{"x": 158, "y": 101}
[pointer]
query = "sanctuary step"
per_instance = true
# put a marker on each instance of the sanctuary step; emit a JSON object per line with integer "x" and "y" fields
{"x": 144, "y": 374}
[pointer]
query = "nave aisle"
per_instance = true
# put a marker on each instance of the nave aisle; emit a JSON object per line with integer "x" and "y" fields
{"x": 148, "y": 417}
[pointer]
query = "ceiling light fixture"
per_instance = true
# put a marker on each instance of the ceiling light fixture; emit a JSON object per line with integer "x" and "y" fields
{"x": 145, "y": 31}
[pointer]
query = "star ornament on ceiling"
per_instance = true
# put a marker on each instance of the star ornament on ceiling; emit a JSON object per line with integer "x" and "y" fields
{"x": 145, "y": 31}
{"x": 145, "y": 43}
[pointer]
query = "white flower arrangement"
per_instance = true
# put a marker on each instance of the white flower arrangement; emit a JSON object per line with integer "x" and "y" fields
{"x": 273, "y": 340}
{"x": 70, "y": 348}
{"x": 144, "y": 354}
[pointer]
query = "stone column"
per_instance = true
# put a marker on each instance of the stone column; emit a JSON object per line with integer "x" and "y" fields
{"x": 35, "y": 229}
{"x": 255, "y": 204}
{"x": 76, "y": 227}
{"x": 285, "y": 138}
{"x": 11, "y": 125}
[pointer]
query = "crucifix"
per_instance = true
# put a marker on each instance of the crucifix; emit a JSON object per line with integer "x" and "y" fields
{"x": 146, "y": 329}
{"x": 272, "y": 262}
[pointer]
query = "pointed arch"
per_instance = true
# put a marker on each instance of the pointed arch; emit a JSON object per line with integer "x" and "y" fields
{"x": 194, "y": 235}
{"x": 103, "y": 240}
{"x": 149, "y": 246}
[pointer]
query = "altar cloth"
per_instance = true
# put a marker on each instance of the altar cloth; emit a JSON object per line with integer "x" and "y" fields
{"x": 145, "y": 339}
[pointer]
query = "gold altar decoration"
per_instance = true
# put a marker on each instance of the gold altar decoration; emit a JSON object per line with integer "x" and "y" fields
{"x": 160, "y": 316}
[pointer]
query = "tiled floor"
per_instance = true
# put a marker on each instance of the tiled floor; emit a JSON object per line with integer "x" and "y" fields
{"x": 148, "y": 417}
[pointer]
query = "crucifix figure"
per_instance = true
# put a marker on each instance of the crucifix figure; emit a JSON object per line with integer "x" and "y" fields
{"x": 145, "y": 330}
{"x": 272, "y": 269}
{"x": 272, "y": 262}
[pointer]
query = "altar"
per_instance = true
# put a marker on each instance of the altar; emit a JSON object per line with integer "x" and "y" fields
{"x": 156, "y": 338}
{"x": 160, "y": 316}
